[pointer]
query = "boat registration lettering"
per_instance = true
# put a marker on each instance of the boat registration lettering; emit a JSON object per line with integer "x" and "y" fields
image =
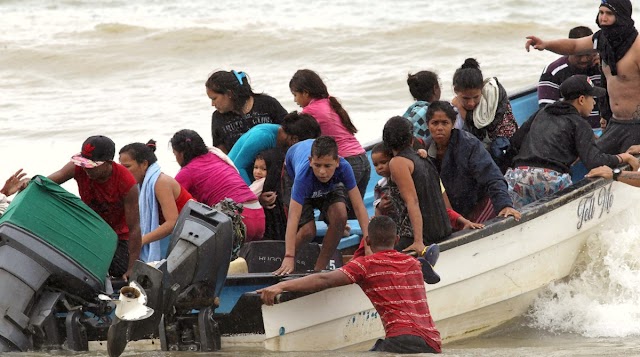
{"x": 589, "y": 205}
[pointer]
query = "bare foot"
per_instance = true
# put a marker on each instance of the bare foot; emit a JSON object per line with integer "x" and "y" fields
{"x": 347, "y": 231}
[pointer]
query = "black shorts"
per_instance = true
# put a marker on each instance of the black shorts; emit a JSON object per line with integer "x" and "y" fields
{"x": 619, "y": 136}
{"x": 322, "y": 203}
{"x": 403, "y": 344}
{"x": 120, "y": 263}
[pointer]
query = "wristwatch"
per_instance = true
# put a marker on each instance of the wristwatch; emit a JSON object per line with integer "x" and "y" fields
{"x": 616, "y": 173}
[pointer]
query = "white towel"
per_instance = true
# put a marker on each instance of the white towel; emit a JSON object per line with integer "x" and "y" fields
{"x": 485, "y": 112}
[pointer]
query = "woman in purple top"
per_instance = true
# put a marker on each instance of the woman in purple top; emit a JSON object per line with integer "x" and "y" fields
{"x": 210, "y": 180}
{"x": 310, "y": 93}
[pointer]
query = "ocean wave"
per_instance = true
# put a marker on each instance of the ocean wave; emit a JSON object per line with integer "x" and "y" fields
{"x": 120, "y": 29}
{"x": 602, "y": 298}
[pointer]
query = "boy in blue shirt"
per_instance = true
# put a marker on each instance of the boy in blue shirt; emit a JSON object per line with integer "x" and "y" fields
{"x": 322, "y": 180}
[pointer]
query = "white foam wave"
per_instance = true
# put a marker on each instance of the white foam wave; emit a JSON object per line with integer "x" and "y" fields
{"x": 602, "y": 298}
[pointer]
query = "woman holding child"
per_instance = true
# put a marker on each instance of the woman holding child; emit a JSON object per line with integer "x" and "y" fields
{"x": 419, "y": 186}
{"x": 211, "y": 178}
{"x": 160, "y": 201}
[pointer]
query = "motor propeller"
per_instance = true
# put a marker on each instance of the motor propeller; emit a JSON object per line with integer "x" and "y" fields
{"x": 131, "y": 306}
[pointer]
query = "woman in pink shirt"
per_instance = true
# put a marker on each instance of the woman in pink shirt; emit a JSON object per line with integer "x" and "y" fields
{"x": 210, "y": 179}
{"x": 310, "y": 93}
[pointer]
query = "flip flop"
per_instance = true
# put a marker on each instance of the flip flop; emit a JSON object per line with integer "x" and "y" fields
{"x": 432, "y": 254}
{"x": 429, "y": 275}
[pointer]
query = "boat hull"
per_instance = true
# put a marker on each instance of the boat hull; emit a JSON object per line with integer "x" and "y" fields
{"x": 486, "y": 280}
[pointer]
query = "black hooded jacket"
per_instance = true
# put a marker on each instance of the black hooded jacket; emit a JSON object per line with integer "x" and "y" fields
{"x": 557, "y": 136}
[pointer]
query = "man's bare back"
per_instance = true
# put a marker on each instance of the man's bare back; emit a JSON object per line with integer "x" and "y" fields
{"x": 624, "y": 88}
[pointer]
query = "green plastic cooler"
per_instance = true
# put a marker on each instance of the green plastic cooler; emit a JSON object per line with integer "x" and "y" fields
{"x": 62, "y": 220}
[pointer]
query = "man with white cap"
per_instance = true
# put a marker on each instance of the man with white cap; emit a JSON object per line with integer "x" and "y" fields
{"x": 556, "y": 136}
{"x": 110, "y": 190}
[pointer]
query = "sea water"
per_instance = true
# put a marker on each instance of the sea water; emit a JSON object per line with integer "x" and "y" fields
{"x": 135, "y": 70}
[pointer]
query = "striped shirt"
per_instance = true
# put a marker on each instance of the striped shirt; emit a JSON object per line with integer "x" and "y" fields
{"x": 393, "y": 282}
{"x": 552, "y": 77}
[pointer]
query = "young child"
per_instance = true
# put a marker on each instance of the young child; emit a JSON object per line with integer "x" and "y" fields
{"x": 267, "y": 173}
{"x": 387, "y": 196}
{"x": 393, "y": 281}
{"x": 322, "y": 180}
{"x": 380, "y": 156}
{"x": 259, "y": 174}
{"x": 310, "y": 93}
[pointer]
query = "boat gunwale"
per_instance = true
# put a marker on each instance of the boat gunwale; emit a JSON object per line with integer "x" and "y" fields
{"x": 529, "y": 212}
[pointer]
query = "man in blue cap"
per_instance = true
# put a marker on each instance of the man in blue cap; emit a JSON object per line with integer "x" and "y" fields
{"x": 618, "y": 44}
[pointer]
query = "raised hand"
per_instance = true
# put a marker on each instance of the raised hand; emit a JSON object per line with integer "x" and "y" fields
{"x": 14, "y": 183}
{"x": 535, "y": 42}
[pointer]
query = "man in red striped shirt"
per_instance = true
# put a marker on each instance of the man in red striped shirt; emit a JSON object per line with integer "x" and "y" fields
{"x": 393, "y": 282}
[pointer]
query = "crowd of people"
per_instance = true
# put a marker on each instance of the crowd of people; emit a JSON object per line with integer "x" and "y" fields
{"x": 445, "y": 166}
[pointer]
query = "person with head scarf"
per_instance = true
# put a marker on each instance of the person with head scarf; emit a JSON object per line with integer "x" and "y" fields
{"x": 618, "y": 44}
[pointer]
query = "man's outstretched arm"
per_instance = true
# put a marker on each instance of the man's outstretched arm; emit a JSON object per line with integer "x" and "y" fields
{"x": 563, "y": 46}
{"x": 310, "y": 283}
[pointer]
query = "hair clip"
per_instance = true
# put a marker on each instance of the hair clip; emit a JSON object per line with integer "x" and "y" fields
{"x": 239, "y": 75}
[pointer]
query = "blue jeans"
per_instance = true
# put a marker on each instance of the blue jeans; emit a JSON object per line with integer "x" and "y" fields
{"x": 362, "y": 172}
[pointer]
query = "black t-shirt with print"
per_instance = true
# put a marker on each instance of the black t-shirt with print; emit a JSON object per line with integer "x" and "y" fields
{"x": 227, "y": 128}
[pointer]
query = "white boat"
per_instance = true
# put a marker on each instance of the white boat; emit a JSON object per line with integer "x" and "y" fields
{"x": 488, "y": 277}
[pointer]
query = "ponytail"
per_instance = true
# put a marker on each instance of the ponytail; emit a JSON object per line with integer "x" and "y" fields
{"x": 344, "y": 116}
{"x": 140, "y": 152}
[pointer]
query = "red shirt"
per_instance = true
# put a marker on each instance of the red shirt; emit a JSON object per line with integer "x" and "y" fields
{"x": 181, "y": 200}
{"x": 107, "y": 198}
{"x": 393, "y": 282}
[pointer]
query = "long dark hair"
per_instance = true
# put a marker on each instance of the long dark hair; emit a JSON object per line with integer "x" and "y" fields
{"x": 306, "y": 80}
{"x": 234, "y": 83}
{"x": 141, "y": 152}
{"x": 468, "y": 76}
{"x": 189, "y": 143}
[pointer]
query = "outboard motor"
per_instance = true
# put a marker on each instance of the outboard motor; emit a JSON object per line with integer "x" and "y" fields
{"x": 184, "y": 290}
{"x": 55, "y": 252}
{"x": 197, "y": 265}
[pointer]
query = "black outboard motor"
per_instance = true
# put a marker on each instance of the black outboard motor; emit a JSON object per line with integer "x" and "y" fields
{"x": 197, "y": 266}
{"x": 192, "y": 278}
{"x": 54, "y": 256}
